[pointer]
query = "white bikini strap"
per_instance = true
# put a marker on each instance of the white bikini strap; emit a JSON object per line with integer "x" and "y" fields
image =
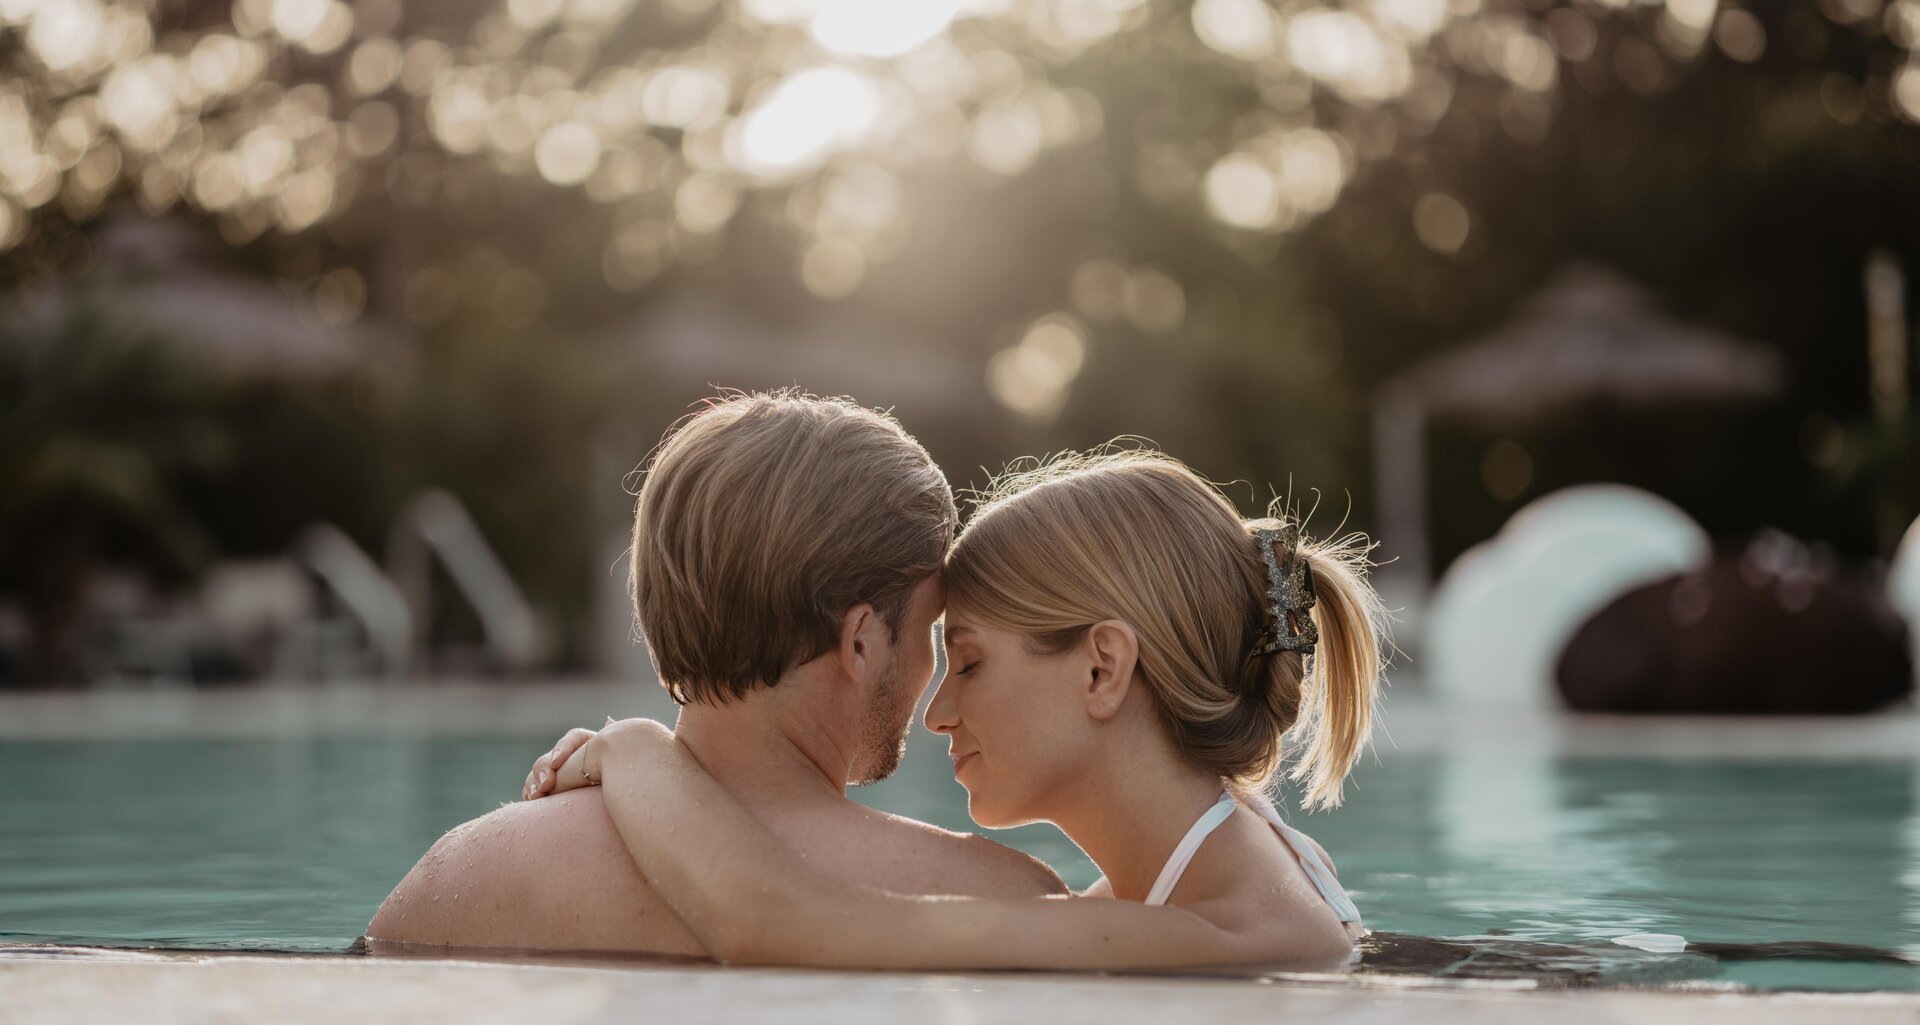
{"x": 1183, "y": 854}
{"x": 1318, "y": 871}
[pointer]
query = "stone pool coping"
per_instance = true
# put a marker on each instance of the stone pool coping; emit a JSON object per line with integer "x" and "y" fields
{"x": 62, "y": 986}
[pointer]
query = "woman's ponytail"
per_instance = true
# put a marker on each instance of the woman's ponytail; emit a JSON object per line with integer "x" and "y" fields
{"x": 1343, "y": 673}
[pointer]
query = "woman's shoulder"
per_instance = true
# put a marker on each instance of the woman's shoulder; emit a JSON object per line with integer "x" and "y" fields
{"x": 1251, "y": 887}
{"x": 1246, "y": 876}
{"x": 1265, "y": 809}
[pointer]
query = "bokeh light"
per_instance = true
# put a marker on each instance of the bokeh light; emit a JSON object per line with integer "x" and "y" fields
{"x": 1032, "y": 377}
{"x": 769, "y": 94}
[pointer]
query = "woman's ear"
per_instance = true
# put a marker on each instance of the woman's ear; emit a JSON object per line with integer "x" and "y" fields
{"x": 1114, "y": 650}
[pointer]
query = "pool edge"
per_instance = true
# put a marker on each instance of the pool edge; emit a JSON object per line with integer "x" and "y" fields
{"x": 117, "y": 986}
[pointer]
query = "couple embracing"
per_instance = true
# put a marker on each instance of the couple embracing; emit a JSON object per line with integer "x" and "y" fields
{"x": 1129, "y": 660}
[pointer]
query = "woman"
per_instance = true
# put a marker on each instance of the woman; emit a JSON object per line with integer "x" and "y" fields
{"x": 1126, "y": 655}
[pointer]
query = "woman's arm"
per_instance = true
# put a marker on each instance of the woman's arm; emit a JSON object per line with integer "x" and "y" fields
{"x": 750, "y": 898}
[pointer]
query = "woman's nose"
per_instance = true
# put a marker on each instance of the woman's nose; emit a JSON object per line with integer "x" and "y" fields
{"x": 942, "y": 717}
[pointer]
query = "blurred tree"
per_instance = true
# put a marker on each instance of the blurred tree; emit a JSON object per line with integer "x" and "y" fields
{"x": 98, "y": 422}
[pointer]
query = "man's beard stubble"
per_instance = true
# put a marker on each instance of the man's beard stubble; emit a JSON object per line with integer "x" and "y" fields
{"x": 884, "y": 729}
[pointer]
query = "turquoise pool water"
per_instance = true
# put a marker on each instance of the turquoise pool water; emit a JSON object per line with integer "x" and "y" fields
{"x": 290, "y": 844}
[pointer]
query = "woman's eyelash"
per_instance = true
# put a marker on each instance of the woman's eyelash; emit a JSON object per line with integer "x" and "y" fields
{"x": 965, "y": 669}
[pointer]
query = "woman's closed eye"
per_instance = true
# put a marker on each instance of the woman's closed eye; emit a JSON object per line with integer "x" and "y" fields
{"x": 968, "y": 668}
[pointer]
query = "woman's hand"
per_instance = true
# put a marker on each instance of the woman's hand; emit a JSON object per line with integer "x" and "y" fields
{"x": 583, "y": 768}
{"x": 546, "y": 778}
{"x": 574, "y": 761}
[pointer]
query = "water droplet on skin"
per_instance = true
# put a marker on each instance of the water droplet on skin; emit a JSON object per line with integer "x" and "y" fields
{"x": 436, "y": 898}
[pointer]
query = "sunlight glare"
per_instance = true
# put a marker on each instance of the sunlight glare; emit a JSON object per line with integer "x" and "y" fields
{"x": 807, "y": 118}
{"x": 1237, "y": 28}
{"x": 1906, "y": 91}
{"x": 66, "y": 33}
{"x": 881, "y": 28}
{"x": 1242, "y": 193}
{"x": 1344, "y": 51}
{"x": 567, "y": 153}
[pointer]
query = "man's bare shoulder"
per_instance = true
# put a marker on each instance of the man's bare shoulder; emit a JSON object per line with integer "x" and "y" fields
{"x": 917, "y": 857}
{"x": 549, "y": 874}
{"x": 426, "y": 906}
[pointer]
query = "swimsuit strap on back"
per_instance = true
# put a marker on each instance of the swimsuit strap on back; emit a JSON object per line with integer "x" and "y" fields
{"x": 1176, "y": 866}
{"x": 1318, "y": 871}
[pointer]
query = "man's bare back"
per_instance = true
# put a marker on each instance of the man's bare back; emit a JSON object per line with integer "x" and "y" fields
{"x": 553, "y": 874}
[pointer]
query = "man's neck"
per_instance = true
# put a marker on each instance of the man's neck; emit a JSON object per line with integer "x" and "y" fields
{"x": 770, "y": 744}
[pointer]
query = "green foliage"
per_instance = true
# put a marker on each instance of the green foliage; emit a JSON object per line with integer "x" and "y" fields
{"x": 98, "y": 423}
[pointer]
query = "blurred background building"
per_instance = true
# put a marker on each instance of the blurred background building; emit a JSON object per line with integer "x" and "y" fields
{"x": 330, "y": 331}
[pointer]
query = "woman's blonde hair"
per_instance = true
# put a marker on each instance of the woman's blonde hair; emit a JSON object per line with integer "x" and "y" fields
{"x": 1059, "y": 545}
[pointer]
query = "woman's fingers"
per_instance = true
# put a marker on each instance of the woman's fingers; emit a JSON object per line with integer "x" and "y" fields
{"x": 538, "y": 778}
{"x": 574, "y": 740}
{"x": 566, "y": 761}
{"x": 570, "y": 774}
{"x": 544, "y": 777}
{"x": 560, "y": 769}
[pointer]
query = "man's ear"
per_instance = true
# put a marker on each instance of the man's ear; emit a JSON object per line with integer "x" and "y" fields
{"x": 1113, "y": 651}
{"x": 862, "y": 637}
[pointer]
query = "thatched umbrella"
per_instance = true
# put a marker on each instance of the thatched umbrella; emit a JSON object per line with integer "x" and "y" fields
{"x": 1589, "y": 337}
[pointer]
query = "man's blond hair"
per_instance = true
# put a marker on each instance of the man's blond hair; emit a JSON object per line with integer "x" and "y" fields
{"x": 762, "y": 519}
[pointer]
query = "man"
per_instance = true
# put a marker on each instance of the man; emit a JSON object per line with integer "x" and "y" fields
{"x": 786, "y": 552}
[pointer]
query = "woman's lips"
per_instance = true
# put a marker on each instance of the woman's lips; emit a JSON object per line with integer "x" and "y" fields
{"x": 964, "y": 759}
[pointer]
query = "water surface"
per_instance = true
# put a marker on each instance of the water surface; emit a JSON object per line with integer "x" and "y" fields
{"x": 290, "y": 844}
